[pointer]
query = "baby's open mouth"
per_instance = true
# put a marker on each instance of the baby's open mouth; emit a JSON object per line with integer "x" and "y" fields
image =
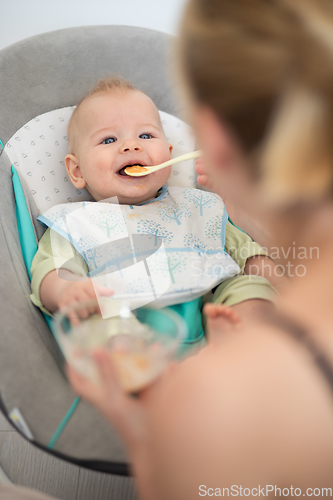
{"x": 122, "y": 170}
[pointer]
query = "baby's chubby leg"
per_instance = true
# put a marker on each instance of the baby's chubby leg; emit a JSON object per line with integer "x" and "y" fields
{"x": 222, "y": 319}
{"x": 243, "y": 297}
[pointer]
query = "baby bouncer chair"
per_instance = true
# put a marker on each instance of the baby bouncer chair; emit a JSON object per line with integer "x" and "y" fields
{"x": 41, "y": 79}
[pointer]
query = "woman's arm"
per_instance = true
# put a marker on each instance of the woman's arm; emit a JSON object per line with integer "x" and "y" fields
{"x": 226, "y": 416}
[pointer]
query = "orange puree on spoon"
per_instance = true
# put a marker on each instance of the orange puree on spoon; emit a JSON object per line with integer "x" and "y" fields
{"x": 136, "y": 169}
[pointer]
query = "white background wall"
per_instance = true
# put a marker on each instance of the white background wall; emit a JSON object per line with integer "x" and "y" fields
{"x": 23, "y": 18}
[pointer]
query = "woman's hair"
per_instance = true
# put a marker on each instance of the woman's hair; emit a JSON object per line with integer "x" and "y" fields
{"x": 266, "y": 68}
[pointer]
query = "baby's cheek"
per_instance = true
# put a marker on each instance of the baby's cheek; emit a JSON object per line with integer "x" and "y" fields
{"x": 164, "y": 174}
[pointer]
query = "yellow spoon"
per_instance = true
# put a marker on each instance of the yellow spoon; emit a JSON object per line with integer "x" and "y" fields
{"x": 137, "y": 171}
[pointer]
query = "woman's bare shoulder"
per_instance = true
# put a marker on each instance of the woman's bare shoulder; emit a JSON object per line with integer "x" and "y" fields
{"x": 256, "y": 393}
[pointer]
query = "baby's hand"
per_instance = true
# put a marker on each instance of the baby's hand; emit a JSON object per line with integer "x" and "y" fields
{"x": 79, "y": 291}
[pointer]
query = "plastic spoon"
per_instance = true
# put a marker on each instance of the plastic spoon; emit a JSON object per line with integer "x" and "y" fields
{"x": 135, "y": 172}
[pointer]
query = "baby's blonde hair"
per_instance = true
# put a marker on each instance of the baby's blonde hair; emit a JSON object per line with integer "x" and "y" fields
{"x": 107, "y": 84}
{"x": 266, "y": 68}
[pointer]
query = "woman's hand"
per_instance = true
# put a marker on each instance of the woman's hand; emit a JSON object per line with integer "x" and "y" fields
{"x": 123, "y": 411}
{"x": 130, "y": 417}
{"x": 203, "y": 178}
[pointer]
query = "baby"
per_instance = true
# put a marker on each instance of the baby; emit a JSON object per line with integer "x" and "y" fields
{"x": 114, "y": 126}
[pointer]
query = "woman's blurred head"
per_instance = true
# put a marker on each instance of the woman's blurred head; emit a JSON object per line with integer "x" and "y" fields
{"x": 264, "y": 70}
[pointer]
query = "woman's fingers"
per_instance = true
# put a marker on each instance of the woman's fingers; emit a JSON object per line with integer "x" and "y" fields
{"x": 202, "y": 180}
{"x": 106, "y": 369}
{"x": 125, "y": 413}
{"x": 82, "y": 386}
{"x": 105, "y": 391}
{"x": 115, "y": 399}
{"x": 200, "y": 167}
{"x": 201, "y": 170}
{"x": 95, "y": 392}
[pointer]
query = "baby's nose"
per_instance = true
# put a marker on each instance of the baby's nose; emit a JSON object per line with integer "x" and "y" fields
{"x": 131, "y": 145}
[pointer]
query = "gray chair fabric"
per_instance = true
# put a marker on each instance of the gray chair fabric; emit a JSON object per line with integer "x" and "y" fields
{"x": 42, "y": 73}
{"x": 15, "y": 493}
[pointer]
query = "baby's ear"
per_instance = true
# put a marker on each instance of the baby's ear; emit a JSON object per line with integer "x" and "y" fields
{"x": 170, "y": 147}
{"x": 74, "y": 171}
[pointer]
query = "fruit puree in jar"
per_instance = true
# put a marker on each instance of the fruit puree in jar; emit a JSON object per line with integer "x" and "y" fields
{"x": 136, "y": 370}
{"x": 137, "y": 354}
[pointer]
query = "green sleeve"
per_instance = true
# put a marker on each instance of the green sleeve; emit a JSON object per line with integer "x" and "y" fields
{"x": 240, "y": 246}
{"x": 50, "y": 257}
{"x": 241, "y": 288}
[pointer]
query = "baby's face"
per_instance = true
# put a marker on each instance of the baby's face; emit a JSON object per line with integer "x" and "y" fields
{"x": 113, "y": 130}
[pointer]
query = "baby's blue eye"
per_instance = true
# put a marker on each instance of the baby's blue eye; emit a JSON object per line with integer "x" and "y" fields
{"x": 146, "y": 136}
{"x": 109, "y": 140}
